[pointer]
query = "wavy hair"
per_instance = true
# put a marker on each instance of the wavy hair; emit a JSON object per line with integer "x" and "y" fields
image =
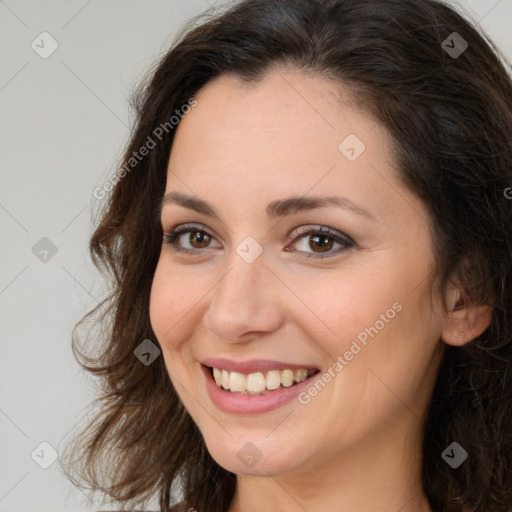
{"x": 450, "y": 117}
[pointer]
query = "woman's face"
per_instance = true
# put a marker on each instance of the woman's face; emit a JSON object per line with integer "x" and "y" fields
{"x": 340, "y": 286}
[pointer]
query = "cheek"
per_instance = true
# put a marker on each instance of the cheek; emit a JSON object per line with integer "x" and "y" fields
{"x": 336, "y": 307}
{"x": 173, "y": 307}
{"x": 171, "y": 316}
{"x": 374, "y": 319}
{"x": 161, "y": 306}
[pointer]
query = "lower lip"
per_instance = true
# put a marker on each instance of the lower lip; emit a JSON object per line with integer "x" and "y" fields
{"x": 237, "y": 403}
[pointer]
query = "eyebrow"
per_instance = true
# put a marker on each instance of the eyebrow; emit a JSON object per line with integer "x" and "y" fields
{"x": 275, "y": 209}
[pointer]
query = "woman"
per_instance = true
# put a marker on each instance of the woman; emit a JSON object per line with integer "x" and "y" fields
{"x": 311, "y": 250}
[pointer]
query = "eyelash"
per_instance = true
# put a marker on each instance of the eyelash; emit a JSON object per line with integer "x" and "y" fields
{"x": 347, "y": 243}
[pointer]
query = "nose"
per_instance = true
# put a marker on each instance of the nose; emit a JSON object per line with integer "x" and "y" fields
{"x": 244, "y": 303}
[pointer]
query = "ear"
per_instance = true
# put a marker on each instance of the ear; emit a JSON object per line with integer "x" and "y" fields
{"x": 465, "y": 320}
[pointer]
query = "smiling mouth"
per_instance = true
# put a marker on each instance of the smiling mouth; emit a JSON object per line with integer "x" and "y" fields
{"x": 259, "y": 383}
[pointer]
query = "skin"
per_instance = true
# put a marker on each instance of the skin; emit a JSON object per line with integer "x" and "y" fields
{"x": 357, "y": 444}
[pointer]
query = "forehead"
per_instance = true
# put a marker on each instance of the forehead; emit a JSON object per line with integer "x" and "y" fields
{"x": 285, "y": 135}
{"x": 278, "y": 100}
{"x": 285, "y": 117}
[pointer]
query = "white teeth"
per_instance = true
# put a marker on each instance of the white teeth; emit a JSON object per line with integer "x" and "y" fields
{"x": 273, "y": 379}
{"x": 258, "y": 383}
{"x": 225, "y": 379}
{"x": 237, "y": 381}
{"x": 300, "y": 375}
{"x": 217, "y": 375}
{"x": 287, "y": 377}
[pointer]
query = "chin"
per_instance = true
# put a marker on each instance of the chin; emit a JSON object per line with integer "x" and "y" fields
{"x": 254, "y": 455}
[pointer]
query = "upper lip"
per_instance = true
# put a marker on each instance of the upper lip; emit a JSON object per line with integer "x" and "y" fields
{"x": 253, "y": 365}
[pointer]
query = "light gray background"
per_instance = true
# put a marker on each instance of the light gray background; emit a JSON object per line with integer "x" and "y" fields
{"x": 63, "y": 124}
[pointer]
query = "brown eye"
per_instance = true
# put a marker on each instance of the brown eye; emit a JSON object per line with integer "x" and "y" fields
{"x": 319, "y": 242}
{"x": 201, "y": 238}
{"x": 322, "y": 242}
{"x": 196, "y": 240}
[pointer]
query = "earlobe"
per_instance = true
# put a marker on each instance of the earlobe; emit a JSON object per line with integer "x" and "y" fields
{"x": 465, "y": 320}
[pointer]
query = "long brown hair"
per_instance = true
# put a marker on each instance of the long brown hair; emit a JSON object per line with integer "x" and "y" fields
{"x": 450, "y": 116}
